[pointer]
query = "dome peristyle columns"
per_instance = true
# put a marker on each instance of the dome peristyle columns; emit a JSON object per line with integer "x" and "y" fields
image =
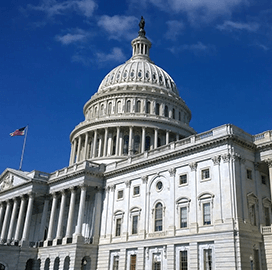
{"x": 111, "y": 142}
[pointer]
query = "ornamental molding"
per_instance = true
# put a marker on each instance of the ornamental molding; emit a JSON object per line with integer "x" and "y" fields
{"x": 144, "y": 179}
{"x": 193, "y": 166}
{"x": 216, "y": 160}
{"x": 172, "y": 171}
{"x": 226, "y": 158}
{"x": 269, "y": 162}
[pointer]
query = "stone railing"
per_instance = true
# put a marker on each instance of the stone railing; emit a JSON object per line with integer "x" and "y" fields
{"x": 221, "y": 131}
{"x": 266, "y": 229}
{"x": 77, "y": 167}
{"x": 263, "y": 137}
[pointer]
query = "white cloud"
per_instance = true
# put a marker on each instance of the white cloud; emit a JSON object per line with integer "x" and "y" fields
{"x": 230, "y": 26}
{"x": 174, "y": 29}
{"x": 199, "y": 10}
{"x": 76, "y": 36}
{"x": 115, "y": 56}
{"x": 53, "y": 8}
{"x": 118, "y": 26}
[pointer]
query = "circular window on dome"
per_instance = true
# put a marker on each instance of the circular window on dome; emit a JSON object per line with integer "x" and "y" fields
{"x": 112, "y": 76}
{"x": 140, "y": 74}
{"x": 132, "y": 73}
{"x": 154, "y": 76}
{"x": 125, "y": 74}
{"x": 159, "y": 186}
{"x": 118, "y": 75}
{"x": 147, "y": 74}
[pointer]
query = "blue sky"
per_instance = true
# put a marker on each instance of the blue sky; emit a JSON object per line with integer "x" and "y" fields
{"x": 54, "y": 54}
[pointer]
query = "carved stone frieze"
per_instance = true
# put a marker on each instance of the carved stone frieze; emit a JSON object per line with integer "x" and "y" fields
{"x": 7, "y": 182}
{"x": 144, "y": 179}
{"x": 172, "y": 171}
{"x": 226, "y": 158}
{"x": 269, "y": 162}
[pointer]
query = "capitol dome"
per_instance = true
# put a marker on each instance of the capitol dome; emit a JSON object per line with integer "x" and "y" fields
{"x": 137, "y": 108}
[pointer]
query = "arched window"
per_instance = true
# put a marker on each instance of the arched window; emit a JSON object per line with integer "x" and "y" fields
{"x": 157, "y": 111}
{"x": 109, "y": 108}
{"x": 29, "y": 265}
{"x": 102, "y": 109}
{"x": 125, "y": 148}
{"x": 166, "y": 112}
{"x": 174, "y": 114}
{"x": 128, "y": 106}
{"x": 147, "y": 143}
{"x": 179, "y": 116}
{"x": 158, "y": 217}
{"x": 46, "y": 264}
{"x": 2, "y": 266}
{"x": 138, "y": 106}
{"x": 136, "y": 144}
{"x": 56, "y": 263}
{"x": 66, "y": 263}
{"x": 148, "y": 107}
{"x": 159, "y": 142}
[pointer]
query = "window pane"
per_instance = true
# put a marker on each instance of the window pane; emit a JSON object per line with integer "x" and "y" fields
{"x": 183, "y": 217}
{"x": 115, "y": 262}
{"x": 183, "y": 260}
{"x": 183, "y": 179}
{"x": 134, "y": 224}
{"x": 158, "y": 217}
{"x": 206, "y": 214}
{"x": 208, "y": 259}
{"x": 118, "y": 227}
{"x": 132, "y": 262}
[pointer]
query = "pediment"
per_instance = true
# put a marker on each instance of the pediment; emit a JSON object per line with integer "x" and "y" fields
{"x": 11, "y": 178}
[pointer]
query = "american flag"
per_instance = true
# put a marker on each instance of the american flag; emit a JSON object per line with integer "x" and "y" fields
{"x": 18, "y": 132}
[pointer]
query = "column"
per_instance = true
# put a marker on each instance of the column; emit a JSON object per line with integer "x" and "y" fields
{"x": 105, "y": 143}
{"x": 177, "y": 136}
{"x": 121, "y": 143}
{"x": 81, "y": 211}
{"x": 86, "y": 146}
{"x": 100, "y": 147}
{"x": 269, "y": 163}
{"x": 71, "y": 154}
{"x": 28, "y": 218}
{"x": 11, "y": 225}
{"x": 61, "y": 214}
{"x": 44, "y": 215}
{"x": 74, "y": 150}
{"x": 97, "y": 215}
{"x": 167, "y": 137}
{"x": 117, "y": 141}
{"x": 1, "y": 213}
{"x": 130, "y": 150}
{"x": 155, "y": 138}
{"x": 94, "y": 143}
{"x": 20, "y": 220}
{"x": 71, "y": 213}
{"x": 78, "y": 149}
{"x": 52, "y": 217}
{"x": 5, "y": 223}
{"x": 143, "y": 139}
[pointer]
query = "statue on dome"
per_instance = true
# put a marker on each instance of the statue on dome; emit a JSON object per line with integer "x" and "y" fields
{"x": 142, "y": 25}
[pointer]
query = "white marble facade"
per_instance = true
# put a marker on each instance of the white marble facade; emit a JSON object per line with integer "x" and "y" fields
{"x": 142, "y": 189}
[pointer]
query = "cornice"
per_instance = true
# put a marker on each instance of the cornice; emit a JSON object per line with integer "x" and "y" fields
{"x": 192, "y": 149}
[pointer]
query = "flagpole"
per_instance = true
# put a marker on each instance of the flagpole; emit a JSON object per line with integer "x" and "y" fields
{"x": 23, "y": 151}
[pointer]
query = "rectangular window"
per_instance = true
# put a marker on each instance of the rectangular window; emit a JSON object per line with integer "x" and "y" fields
{"x": 206, "y": 213}
{"x": 263, "y": 179}
{"x": 183, "y": 217}
{"x": 118, "y": 227}
{"x": 136, "y": 190}
{"x": 156, "y": 266}
{"x": 256, "y": 259}
{"x": 205, "y": 174}
{"x": 207, "y": 259}
{"x": 134, "y": 224}
{"x": 249, "y": 174}
{"x": 133, "y": 262}
{"x": 267, "y": 216}
{"x": 183, "y": 260}
{"x": 183, "y": 179}
{"x": 252, "y": 215}
{"x": 120, "y": 194}
{"x": 115, "y": 263}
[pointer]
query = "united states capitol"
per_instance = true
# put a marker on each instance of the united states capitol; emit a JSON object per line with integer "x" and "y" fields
{"x": 142, "y": 190}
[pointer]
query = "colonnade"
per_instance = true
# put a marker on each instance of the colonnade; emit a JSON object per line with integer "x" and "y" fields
{"x": 117, "y": 141}
{"x": 15, "y": 219}
{"x": 56, "y": 237}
